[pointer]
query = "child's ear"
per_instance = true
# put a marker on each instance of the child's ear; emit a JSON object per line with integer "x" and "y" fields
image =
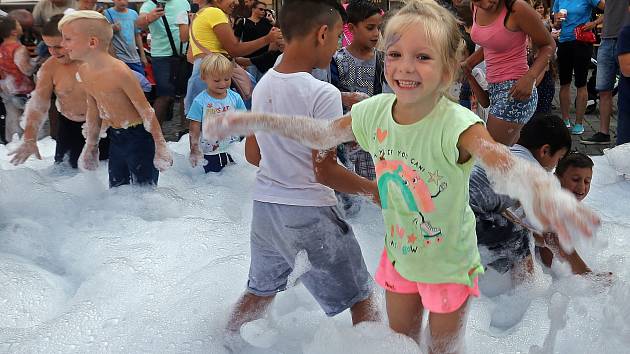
{"x": 94, "y": 42}
{"x": 544, "y": 150}
{"x": 322, "y": 33}
{"x": 352, "y": 27}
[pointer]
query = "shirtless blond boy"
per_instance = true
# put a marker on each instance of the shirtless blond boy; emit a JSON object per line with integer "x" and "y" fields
{"x": 57, "y": 75}
{"x": 137, "y": 148}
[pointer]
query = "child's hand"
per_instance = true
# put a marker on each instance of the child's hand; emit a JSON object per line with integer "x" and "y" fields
{"x": 162, "y": 159}
{"x": 217, "y": 127}
{"x": 559, "y": 211}
{"x": 23, "y": 152}
{"x": 88, "y": 160}
{"x": 195, "y": 158}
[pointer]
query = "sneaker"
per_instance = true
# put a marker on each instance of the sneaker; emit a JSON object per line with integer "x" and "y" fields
{"x": 567, "y": 122}
{"x": 578, "y": 129}
{"x": 597, "y": 138}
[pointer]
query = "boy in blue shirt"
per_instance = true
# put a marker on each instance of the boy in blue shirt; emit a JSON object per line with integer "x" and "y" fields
{"x": 126, "y": 35}
{"x": 216, "y": 70}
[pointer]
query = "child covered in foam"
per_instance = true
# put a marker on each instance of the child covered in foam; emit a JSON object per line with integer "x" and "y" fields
{"x": 137, "y": 147}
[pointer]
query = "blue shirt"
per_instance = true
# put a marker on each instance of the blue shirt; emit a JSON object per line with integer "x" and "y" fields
{"x": 203, "y": 103}
{"x": 578, "y": 13}
{"x": 127, "y": 21}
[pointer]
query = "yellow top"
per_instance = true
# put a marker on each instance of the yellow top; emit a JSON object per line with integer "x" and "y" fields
{"x": 203, "y": 29}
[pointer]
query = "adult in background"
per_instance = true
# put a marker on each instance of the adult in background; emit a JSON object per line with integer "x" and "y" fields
{"x": 45, "y": 9}
{"x": 623, "y": 52}
{"x": 151, "y": 14}
{"x": 615, "y": 15}
{"x": 574, "y": 57}
{"x": 252, "y": 28}
{"x": 211, "y": 32}
{"x": 243, "y": 9}
{"x": 501, "y": 28}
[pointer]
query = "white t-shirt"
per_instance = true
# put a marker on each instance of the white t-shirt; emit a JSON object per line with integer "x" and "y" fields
{"x": 286, "y": 172}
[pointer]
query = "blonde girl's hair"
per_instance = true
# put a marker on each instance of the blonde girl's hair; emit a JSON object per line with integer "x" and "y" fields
{"x": 440, "y": 28}
{"x": 96, "y": 24}
{"x": 215, "y": 64}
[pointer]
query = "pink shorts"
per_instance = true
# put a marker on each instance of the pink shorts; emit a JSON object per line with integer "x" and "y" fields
{"x": 437, "y": 298}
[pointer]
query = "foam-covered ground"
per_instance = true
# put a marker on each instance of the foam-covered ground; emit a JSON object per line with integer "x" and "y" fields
{"x": 85, "y": 269}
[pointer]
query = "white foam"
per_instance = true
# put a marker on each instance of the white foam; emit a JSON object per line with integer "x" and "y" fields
{"x": 86, "y": 269}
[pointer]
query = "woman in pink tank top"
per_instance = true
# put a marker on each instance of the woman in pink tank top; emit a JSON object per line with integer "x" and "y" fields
{"x": 501, "y": 28}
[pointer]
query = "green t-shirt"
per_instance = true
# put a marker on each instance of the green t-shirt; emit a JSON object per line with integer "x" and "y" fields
{"x": 174, "y": 11}
{"x": 429, "y": 226}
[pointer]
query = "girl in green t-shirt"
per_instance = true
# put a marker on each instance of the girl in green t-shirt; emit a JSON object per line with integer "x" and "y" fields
{"x": 423, "y": 146}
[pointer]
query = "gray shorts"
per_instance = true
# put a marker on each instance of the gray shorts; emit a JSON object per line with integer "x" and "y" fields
{"x": 338, "y": 277}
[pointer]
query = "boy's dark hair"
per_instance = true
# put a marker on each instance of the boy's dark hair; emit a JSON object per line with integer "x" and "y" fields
{"x": 50, "y": 28}
{"x": 299, "y": 17}
{"x": 573, "y": 159}
{"x": 7, "y": 25}
{"x": 545, "y": 129}
{"x": 359, "y": 10}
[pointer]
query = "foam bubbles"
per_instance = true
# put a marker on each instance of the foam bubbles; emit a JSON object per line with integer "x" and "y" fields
{"x": 87, "y": 269}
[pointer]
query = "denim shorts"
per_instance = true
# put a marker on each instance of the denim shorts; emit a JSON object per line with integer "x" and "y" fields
{"x": 162, "y": 74}
{"x": 607, "y": 65}
{"x": 334, "y": 273}
{"x": 504, "y": 107}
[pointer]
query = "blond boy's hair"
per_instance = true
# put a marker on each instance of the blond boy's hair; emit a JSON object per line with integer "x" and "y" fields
{"x": 215, "y": 64}
{"x": 440, "y": 28}
{"x": 93, "y": 23}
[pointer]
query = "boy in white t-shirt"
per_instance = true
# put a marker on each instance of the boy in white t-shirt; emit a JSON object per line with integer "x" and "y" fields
{"x": 294, "y": 207}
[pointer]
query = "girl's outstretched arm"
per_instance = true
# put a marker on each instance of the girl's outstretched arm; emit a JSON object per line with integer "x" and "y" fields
{"x": 548, "y": 206}
{"x": 316, "y": 134}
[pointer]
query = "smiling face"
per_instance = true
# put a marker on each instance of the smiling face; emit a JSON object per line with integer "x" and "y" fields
{"x": 75, "y": 42}
{"x": 413, "y": 67}
{"x": 56, "y": 50}
{"x": 577, "y": 180}
{"x": 366, "y": 32}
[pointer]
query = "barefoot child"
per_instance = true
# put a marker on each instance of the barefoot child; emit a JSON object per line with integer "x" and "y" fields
{"x": 422, "y": 145}
{"x": 15, "y": 75}
{"x": 216, "y": 72}
{"x": 294, "y": 202}
{"x": 137, "y": 148}
{"x": 57, "y": 75}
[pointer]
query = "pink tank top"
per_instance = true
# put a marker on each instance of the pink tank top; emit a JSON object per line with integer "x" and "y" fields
{"x": 505, "y": 51}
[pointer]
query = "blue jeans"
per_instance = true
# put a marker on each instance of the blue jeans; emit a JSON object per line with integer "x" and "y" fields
{"x": 607, "y": 65}
{"x": 195, "y": 85}
{"x": 131, "y": 153}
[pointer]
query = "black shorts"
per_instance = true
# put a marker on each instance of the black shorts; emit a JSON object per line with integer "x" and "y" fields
{"x": 70, "y": 140}
{"x": 574, "y": 58}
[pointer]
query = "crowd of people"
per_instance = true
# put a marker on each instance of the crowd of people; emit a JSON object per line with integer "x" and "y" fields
{"x": 326, "y": 83}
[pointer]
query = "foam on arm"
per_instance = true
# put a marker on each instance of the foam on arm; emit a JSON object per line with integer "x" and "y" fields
{"x": 546, "y": 205}
{"x": 313, "y": 133}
